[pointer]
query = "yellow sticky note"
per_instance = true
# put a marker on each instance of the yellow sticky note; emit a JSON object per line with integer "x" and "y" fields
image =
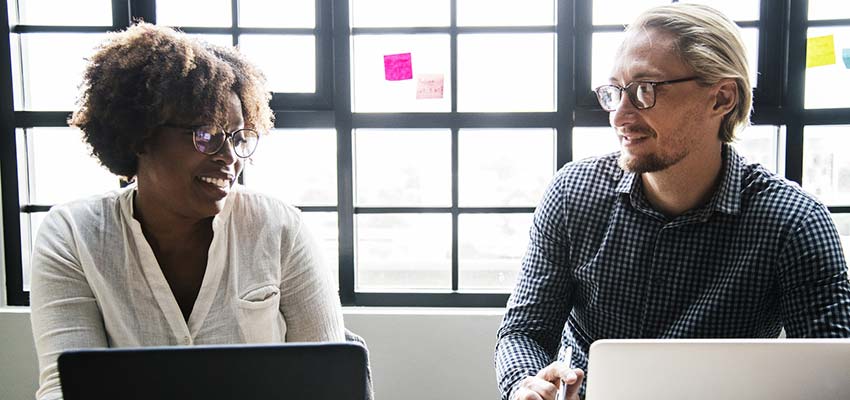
{"x": 820, "y": 50}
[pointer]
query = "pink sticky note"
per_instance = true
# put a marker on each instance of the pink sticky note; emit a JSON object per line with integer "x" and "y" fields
{"x": 398, "y": 67}
{"x": 429, "y": 86}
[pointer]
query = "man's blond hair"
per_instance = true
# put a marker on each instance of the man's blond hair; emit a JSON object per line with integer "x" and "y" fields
{"x": 709, "y": 43}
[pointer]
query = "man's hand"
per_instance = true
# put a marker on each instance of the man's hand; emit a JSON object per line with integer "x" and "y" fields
{"x": 544, "y": 385}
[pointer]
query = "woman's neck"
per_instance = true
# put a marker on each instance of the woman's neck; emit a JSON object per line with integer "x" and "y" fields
{"x": 165, "y": 229}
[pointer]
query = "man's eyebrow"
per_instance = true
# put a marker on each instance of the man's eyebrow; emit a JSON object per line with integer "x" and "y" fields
{"x": 645, "y": 75}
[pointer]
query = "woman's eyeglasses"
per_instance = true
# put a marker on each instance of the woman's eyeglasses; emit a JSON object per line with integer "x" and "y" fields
{"x": 209, "y": 139}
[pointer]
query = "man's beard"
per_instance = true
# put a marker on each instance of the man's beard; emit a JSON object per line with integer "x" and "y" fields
{"x": 650, "y": 162}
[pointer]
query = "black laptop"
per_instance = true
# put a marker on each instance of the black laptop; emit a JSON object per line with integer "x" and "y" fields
{"x": 317, "y": 371}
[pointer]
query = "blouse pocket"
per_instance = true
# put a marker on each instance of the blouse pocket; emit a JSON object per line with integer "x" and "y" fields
{"x": 260, "y": 318}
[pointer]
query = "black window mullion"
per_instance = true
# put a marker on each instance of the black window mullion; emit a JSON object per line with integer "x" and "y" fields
{"x": 768, "y": 91}
{"x": 454, "y": 146}
{"x": 15, "y": 294}
{"x": 345, "y": 157}
{"x": 795, "y": 86}
{"x": 566, "y": 80}
{"x": 455, "y": 211}
{"x": 324, "y": 55}
{"x": 143, "y": 9}
{"x": 121, "y": 16}
{"x": 234, "y": 22}
{"x": 431, "y": 299}
{"x": 582, "y": 30}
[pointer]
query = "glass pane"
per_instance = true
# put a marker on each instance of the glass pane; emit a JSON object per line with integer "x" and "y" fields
{"x": 53, "y": 65}
{"x": 826, "y": 168}
{"x": 621, "y": 12}
{"x": 760, "y": 144}
{"x": 842, "y": 222}
{"x": 505, "y": 12}
{"x": 23, "y": 166}
{"x": 288, "y": 61}
{"x": 403, "y": 251}
{"x": 210, "y": 13}
{"x": 60, "y": 181}
{"x": 604, "y": 47}
{"x": 594, "y": 142}
{"x": 506, "y": 72}
{"x": 399, "y": 13}
{"x": 490, "y": 249}
{"x": 216, "y": 39}
{"x": 822, "y": 80}
{"x": 504, "y": 167}
{"x": 751, "y": 41}
{"x": 828, "y": 9}
{"x": 325, "y": 229}
{"x": 373, "y": 92}
{"x": 736, "y": 10}
{"x": 277, "y": 14}
{"x": 64, "y": 12}
{"x": 17, "y": 74}
{"x": 396, "y": 168}
{"x": 297, "y": 166}
{"x": 29, "y": 229}
{"x": 606, "y": 44}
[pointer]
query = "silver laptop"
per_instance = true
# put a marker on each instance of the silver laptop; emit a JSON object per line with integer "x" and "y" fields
{"x": 290, "y": 371}
{"x": 752, "y": 369}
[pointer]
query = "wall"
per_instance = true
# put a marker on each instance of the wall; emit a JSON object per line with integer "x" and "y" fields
{"x": 417, "y": 354}
{"x": 18, "y": 365}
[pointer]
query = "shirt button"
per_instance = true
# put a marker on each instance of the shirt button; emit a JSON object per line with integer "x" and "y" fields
{"x": 187, "y": 340}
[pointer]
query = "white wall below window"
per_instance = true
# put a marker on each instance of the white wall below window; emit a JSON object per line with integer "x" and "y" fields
{"x": 18, "y": 365}
{"x": 416, "y": 354}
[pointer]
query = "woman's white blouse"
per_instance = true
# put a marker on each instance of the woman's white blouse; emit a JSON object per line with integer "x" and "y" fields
{"x": 96, "y": 282}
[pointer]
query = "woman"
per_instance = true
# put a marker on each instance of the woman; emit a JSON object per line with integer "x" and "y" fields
{"x": 184, "y": 255}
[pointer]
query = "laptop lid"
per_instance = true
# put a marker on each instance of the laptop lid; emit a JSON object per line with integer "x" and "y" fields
{"x": 756, "y": 369}
{"x": 319, "y": 371}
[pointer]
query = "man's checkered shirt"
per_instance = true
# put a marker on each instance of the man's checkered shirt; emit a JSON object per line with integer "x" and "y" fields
{"x": 759, "y": 256}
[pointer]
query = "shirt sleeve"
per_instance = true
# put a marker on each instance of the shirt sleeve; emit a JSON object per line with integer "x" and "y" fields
{"x": 309, "y": 303}
{"x": 540, "y": 303}
{"x": 815, "y": 298}
{"x": 65, "y": 314}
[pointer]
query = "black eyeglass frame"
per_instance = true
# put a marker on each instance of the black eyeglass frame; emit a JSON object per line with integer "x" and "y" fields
{"x": 228, "y": 136}
{"x": 632, "y": 93}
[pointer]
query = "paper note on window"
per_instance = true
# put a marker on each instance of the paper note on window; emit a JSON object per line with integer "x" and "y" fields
{"x": 398, "y": 67}
{"x": 820, "y": 51}
{"x": 845, "y": 53}
{"x": 429, "y": 86}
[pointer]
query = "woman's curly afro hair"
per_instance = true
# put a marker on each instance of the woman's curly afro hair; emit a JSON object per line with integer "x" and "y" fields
{"x": 148, "y": 75}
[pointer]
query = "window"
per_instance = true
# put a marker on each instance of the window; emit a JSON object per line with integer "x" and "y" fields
{"x": 48, "y": 43}
{"x": 416, "y": 139}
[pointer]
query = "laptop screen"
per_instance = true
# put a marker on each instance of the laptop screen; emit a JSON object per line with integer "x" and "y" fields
{"x": 753, "y": 369}
{"x": 319, "y": 371}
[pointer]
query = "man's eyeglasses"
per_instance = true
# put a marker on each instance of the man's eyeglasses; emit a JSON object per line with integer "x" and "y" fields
{"x": 641, "y": 93}
{"x": 209, "y": 139}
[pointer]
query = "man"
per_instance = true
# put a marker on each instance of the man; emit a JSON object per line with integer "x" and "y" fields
{"x": 675, "y": 236}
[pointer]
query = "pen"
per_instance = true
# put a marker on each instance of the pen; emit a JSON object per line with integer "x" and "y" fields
{"x": 566, "y": 355}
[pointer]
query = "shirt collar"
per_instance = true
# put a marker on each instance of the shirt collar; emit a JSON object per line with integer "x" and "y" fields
{"x": 726, "y": 198}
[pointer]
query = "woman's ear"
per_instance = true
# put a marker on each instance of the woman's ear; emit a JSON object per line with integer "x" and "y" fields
{"x": 726, "y": 96}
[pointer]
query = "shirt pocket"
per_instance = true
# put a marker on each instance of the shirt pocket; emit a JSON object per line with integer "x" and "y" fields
{"x": 259, "y": 315}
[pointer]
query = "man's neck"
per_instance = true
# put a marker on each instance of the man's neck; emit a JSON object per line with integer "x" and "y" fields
{"x": 685, "y": 185}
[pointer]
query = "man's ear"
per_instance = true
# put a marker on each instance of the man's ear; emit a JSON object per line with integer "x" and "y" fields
{"x": 726, "y": 96}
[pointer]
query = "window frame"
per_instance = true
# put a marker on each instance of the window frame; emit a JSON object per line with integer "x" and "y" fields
{"x": 778, "y": 101}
